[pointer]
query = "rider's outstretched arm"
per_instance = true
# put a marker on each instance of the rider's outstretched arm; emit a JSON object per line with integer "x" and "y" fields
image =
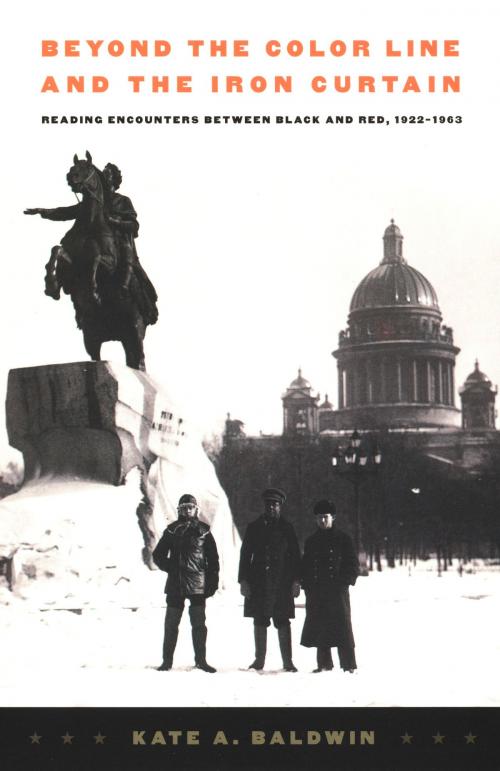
{"x": 60, "y": 213}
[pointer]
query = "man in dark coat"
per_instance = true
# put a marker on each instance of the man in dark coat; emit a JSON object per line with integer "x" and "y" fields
{"x": 329, "y": 566}
{"x": 269, "y": 577}
{"x": 188, "y": 553}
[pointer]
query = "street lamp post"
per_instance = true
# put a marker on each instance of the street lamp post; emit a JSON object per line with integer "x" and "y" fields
{"x": 415, "y": 497}
{"x": 354, "y": 463}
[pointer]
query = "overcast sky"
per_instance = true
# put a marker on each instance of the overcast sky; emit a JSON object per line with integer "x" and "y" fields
{"x": 256, "y": 236}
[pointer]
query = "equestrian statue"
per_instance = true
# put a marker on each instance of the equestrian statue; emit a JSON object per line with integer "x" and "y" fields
{"x": 96, "y": 263}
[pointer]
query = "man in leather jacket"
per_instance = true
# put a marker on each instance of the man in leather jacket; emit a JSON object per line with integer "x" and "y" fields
{"x": 188, "y": 553}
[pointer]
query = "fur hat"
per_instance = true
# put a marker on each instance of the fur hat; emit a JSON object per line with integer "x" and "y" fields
{"x": 324, "y": 507}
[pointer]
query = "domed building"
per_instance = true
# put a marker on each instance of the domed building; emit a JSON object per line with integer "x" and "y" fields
{"x": 478, "y": 401}
{"x": 396, "y": 359}
{"x": 434, "y": 478}
{"x": 300, "y": 408}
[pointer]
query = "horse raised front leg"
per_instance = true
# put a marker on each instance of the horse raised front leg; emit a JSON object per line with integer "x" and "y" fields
{"x": 52, "y": 285}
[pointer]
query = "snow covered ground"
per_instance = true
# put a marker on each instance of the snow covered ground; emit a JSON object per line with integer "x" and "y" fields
{"x": 422, "y": 640}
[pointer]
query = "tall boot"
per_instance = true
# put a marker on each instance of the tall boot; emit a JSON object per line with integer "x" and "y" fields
{"x": 328, "y": 659}
{"x": 285, "y": 641}
{"x": 199, "y": 635}
{"x": 172, "y": 619}
{"x": 324, "y": 659}
{"x": 260, "y": 635}
{"x": 347, "y": 658}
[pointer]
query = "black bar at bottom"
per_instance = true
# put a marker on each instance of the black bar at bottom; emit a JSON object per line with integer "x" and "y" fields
{"x": 214, "y": 739}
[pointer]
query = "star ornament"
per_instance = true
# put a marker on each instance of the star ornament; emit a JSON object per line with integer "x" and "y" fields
{"x": 438, "y": 738}
{"x": 470, "y": 738}
{"x": 35, "y": 738}
{"x": 99, "y": 739}
{"x": 67, "y": 739}
{"x": 406, "y": 738}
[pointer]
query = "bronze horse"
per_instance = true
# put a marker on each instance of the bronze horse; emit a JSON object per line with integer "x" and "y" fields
{"x": 87, "y": 266}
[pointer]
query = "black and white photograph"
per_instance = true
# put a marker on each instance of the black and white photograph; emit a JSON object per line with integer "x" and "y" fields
{"x": 250, "y": 456}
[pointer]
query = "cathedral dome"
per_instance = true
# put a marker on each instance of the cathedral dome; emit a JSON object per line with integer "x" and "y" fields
{"x": 395, "y": 359}
{"x": 394, "y": 282}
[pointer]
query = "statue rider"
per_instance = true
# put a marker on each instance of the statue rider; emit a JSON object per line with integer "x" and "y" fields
{"x": 123, "y": 219}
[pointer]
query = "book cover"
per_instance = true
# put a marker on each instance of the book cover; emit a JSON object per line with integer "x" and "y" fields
{"x": 274, "y": 154}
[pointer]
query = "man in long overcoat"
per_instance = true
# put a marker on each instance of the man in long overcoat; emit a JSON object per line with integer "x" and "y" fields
{"x": 188, "y": 553}
{"x": 329, "y": 566}
{"x": 269, "y": 576}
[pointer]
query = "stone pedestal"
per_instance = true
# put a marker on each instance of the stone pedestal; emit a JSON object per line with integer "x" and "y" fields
{"x": 92, "y": 420}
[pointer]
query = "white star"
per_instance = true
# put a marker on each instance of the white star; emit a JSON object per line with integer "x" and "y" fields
{"x": 438, "y": 738}
{"x": 35, "y": 738}
{"x": 470, "y": 738}
{"x": 67, "y": 739}
{"x": 99, "y": 739}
